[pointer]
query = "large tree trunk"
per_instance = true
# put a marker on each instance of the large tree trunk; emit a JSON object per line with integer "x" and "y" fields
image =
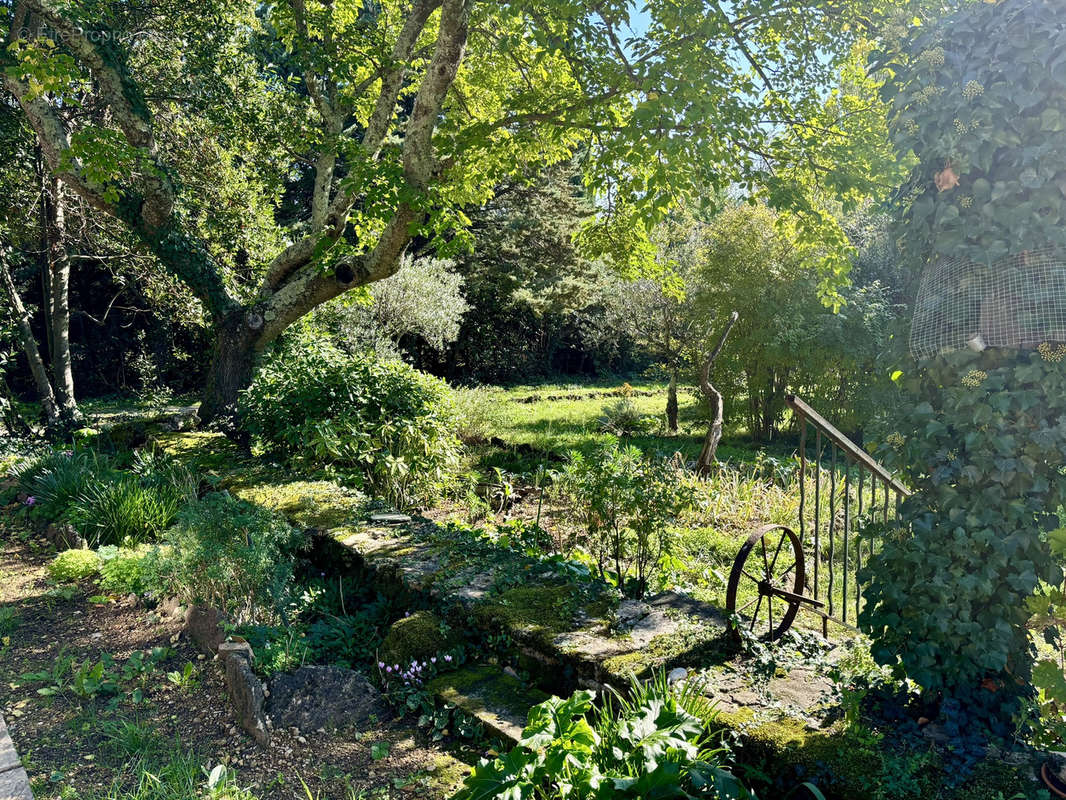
{"x": 232, "y": 368}
{"x": 714, "y": 401}
{"x": 29, "y": 348}
{"x": 59, "y": 297}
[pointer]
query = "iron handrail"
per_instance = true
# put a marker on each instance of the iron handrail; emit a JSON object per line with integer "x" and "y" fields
{"x": 845, "y": 444}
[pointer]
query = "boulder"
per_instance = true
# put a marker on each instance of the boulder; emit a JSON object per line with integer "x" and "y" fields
{"x": 204, "y": 626}
{"x": 65, "y": 537}
{"x": 415, "y": 638}
{"x": 323, "y": 697}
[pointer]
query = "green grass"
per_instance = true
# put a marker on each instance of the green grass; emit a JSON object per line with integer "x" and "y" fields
{"x": 558, "y": 426}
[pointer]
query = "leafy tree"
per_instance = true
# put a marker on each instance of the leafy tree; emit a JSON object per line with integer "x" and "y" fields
{"x": 406, "y": 113}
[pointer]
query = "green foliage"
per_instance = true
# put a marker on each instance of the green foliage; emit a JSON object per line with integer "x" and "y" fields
{"x": 982, "y": 93}
{"x": 231, "y": 555}
{"x": 625, "y": 503}
{"x": 478, "y": 412}
{"x": 125, "y": 570}
{"x": 624, "y": 418}
{"x": 74, "y": 565}
{"x": 980, "y": 438}
{"x": 651, "y": 745}
{"x": 123, "y": 512}
{"x": 391, "y": 426}
{"x": 57, "y": 478}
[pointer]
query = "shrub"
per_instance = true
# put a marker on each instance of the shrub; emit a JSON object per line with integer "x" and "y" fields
{"x": 626, "y": 503}
{"x": 624, "y": 418}
{"x": 123, "y": 512}
{"x": 383, "y": 421}
{"x": 479, "y": 413}
{"x": 652, "y": 745}
{"x": 74, "y": 565}
{"x": 229, "y": 554}
{"x": 124, "y": 570}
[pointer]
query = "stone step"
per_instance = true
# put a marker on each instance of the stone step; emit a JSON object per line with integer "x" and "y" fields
{"x": 499, "y": 700}
{"x": 14, "y": 783}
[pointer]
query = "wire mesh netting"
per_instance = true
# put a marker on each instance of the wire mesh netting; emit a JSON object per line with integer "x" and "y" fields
{"x": 1019, "y": 301}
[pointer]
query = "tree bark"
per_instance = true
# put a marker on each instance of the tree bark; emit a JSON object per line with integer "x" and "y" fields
{"x": 59, "y": 312}
{"x": 714, "y": 401}
{"x": 29, "y": 348}
{"x": 232, "y": 366}
{"x": 671, "y": 402}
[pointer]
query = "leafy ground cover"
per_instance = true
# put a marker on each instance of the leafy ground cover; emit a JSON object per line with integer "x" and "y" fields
{"x": 101, "y": 693}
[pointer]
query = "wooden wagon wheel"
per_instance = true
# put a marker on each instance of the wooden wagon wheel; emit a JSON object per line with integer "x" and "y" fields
{"x": 771, "y": 564}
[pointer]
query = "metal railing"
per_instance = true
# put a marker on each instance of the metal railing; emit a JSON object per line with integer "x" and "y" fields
{"x": 849, "y": 488}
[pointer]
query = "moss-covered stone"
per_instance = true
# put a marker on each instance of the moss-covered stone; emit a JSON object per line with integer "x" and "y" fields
{"x": 539, "y": 613}
{"x": 418, "y": 637}
{"x": 499, "y": 700}
{"x": 307, "y": 504}
{"x": 852, "y": 764}
{"x": 693, "y": 642}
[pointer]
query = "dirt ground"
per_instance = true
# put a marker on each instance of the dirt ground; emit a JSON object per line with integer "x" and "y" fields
{"x": 77, "y": 747}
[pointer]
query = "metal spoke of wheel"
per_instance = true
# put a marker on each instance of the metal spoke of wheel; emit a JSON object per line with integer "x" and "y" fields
{"x": 765, "y": 563}
{"x": 791, "y": 567}
{"x": 777, "y": 552}
{"x": 770, "y": 605}
{"x": 748, "y": 604}
{"x": 755, "y": 616}
{"x": 752, "y": 577}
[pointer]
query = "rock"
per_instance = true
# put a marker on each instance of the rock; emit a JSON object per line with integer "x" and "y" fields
{"x": 389, "y": 519}
{"x": 630, "y": 612}
{"x": 204, "y": 626}
{"x": 242, "y": 649}
{"x": 415, "y": 638}
{"x": 246, "y": 693}
{"x": 323, "y": 697}
{"x": 65, "y": 537}
{"x": 678, "y": 674}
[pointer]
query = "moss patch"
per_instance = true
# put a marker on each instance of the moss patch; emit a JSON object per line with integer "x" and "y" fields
{"x": 499, "y": 700}
{"x": 541, "y": 612}
{"x": 692, "y": 642}
{"x": 854, "y": 764}
{"x": 416, "y": 638}
{"x": 202, "y": 451}
{"x": 307, "y": 504}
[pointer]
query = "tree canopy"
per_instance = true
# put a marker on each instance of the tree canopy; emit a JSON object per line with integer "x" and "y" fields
{"x": 274, "y": 156}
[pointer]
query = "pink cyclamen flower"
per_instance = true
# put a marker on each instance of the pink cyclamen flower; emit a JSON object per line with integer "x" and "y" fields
{"x": 388, "y": 669}
{"x": 381, "y": 665}
{"x": 447, "y": 658}
{"x": 31, "y": 500}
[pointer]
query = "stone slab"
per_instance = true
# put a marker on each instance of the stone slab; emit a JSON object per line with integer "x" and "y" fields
{"x": 14, "y": 782}
{"x": 15, "y": 785}
{"x": 9, "y": 759}
{"x": 499, "y": 700}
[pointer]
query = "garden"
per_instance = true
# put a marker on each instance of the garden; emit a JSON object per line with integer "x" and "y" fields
{"x": 542, "y": 400}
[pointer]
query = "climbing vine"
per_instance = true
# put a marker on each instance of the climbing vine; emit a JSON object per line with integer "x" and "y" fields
{"x": 983, "y": 442}
{"x": 980, "y": 99}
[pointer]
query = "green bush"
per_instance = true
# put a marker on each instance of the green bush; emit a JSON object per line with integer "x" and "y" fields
{"x": 229, "y": 554}
{"x": 383, "y": 421}
{"x": 626, "y": 503}
{"x": 123, "y": 512}
{"x": 654, "y": 744}
{"x": 124, "y": 570}
{"x": 74, "y": 565}
{"x": 479, "y": 413}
